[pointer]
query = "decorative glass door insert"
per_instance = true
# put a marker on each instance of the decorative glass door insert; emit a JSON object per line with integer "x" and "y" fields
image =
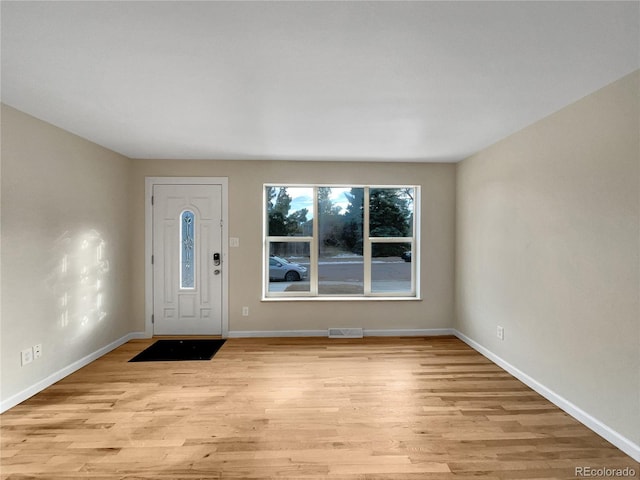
{"x": 187, "y": 250}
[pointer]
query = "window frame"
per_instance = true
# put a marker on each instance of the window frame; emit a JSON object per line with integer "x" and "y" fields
{"x": 368, "y": 241}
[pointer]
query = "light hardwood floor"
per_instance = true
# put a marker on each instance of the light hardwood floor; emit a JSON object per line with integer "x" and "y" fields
{"x": 373, "y": 408}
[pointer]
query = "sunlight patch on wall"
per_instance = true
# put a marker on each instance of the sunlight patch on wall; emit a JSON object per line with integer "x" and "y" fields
{"x": 78, "y": 280}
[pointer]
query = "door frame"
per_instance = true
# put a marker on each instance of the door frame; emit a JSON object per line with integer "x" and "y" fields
{"x": 148, "y": 242}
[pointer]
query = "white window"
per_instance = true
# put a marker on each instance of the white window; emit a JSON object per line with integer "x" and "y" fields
{"x": 326, "y": 241}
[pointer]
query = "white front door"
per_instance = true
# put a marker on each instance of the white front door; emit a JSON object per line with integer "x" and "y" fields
{"x": 187, "y": 259}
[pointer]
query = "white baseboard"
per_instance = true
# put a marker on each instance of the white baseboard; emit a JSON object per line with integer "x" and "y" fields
{"x": 627, "y": 446}
{"x": 68, "y": 370}
{"x": 410, "y": 332}
{"x": 276, "y": 333}
{"x": 428, "y": 332}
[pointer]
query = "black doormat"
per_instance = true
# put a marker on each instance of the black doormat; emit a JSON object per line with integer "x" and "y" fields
{"x": 176, "y": 350}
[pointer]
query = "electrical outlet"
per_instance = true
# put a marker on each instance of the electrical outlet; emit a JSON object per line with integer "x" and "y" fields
{"x": 26, "y": 356}
{"x": 37, "y": 351}
{"x": 500, "y": 333}
{"x": 245, "y": 311}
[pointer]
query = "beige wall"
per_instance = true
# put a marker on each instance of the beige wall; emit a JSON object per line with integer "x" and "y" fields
{"x": 246, "y": 179}
{"x": 548, "y": 248}
{"x": 62, "y": 197}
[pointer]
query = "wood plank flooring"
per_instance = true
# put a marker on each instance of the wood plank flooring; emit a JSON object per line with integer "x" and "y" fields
{"x": 373, "y": 408}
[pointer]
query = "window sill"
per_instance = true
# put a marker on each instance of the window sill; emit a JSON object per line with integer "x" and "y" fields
{"x": 340, "y": 299}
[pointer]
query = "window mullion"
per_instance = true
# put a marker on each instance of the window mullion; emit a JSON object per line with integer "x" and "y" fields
{"x": 366, "y": 244}
{"x": 391, "y": 239}
{"x": 313, "y": 257}
{"x": 289, "y": 239}
{"x": 413, "y": 267}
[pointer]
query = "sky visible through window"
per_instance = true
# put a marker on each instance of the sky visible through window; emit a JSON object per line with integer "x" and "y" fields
{"x": 300, "y": 199}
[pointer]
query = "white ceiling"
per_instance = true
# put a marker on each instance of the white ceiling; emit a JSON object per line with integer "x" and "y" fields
{"x": 392, "y": 81}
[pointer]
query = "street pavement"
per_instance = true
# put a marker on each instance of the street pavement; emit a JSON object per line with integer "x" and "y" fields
{"x": 388, "y": 275}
